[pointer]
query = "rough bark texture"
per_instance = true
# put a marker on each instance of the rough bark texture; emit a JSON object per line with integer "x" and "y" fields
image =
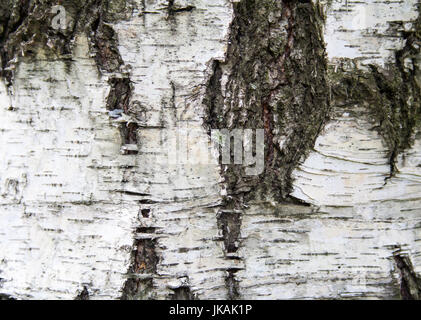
{"x": 274, "y": 78}
{"x": 93, "y": 207}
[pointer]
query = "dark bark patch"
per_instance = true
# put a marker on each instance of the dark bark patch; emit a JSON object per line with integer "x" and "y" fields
{"x": 276, "y": 72}
{"x": 145, "y": 213}
{"x": 83, "y": 295}
{"x": 232, "y": 285}
{"x": 172, "y": 8}
{"x": 105, "y": 47}
{"x": 119, "y": 99}
{"x": 391, "y": 95}
{"x": 182, "y": 293}
{"x": 26, "y": 25}
{"x": 120, "y": 94}
{"x": 410, "y": 284}
{"x": 139, "y": 284}
{"x": 230, "y": 225}
{"x": 4, "y": 296}
{"x": 276, "y": 69}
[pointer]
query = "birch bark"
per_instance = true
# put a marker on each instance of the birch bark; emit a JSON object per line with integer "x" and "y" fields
{"x": 97, "y": 203}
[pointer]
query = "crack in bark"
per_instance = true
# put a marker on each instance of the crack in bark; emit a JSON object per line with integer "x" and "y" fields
{"x": 232, "y": 284}
{"x": 276, "y": 70}
{"x": 229, "y": 222}
{"x": 182, "y": 293}
{"x": 172, "y": 8}
{"x": 28, "y": 21}
{"x": 139, "y": 284}
{"x": 83, "y": 295}
{"x": 410, "y": 284}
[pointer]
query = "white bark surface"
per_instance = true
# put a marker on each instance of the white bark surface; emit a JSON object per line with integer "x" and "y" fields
{"x": 368, "y": 31}
{"x": 70, "y": 200}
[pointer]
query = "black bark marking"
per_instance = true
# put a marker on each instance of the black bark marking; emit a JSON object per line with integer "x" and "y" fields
{"x": 26, "y": 25}
{"x": 144, "y": 262}
{"x": 145, "y": 213}
{"x": 172, "y": 8}
{"x": 392, "y": 95}
{"x": 182, "y": 293}
{"x": 276, "y": 68}
{"x": 230, "y": 225}
{"x": 410, "y": 284}
{"x": 232, "y": 285}
{"x": 83, "y": 295}
{"x": 4, "y": 296}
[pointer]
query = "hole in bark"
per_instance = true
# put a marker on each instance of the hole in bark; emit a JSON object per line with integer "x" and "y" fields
{"x": 145, "y": 212}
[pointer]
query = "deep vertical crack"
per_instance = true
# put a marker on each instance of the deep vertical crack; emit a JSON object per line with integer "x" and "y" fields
{"x": 143, "y": 266}
{"x": 276, "y": 70}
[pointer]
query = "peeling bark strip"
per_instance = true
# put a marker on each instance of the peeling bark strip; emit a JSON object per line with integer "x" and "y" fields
{"x": 276, "y": 79}
{"x": 410, "y": 286}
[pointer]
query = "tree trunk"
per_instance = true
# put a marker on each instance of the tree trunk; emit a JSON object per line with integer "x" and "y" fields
{"x": 112, "y": 185}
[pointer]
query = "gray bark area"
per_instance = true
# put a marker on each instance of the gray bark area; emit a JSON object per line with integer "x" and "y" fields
{"x": 92, "y": 207}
